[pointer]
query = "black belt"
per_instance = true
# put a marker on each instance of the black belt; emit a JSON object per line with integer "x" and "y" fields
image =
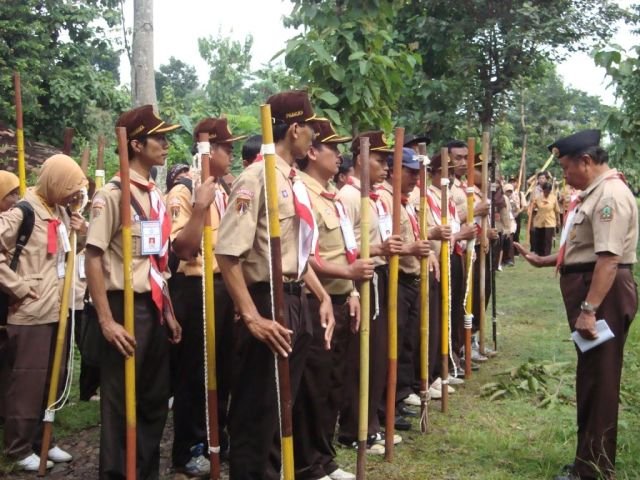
{"x": 408, "y": 278}
{"x": 339, "y": 299}
{"x": 381, "y": 269}
{"x": 290, "y": 288}
{"x": 588, "y": 267}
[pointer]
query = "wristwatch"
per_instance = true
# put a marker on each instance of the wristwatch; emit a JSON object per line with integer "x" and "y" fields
{"x": 587, "y": 307}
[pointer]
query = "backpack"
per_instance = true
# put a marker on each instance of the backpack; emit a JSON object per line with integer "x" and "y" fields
{"x": 24, "y": 233}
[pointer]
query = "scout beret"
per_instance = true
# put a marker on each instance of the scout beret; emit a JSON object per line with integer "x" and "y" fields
{"x": 377, "y": 142}
{"x": 575, "y": 143}
{"x": 218, "y": 130}
{"x": 410, "y": 140}
{"x": 143, "y": 121}
{"x": 325, "y": 133}
{"x": 174, "y": 171}
{"x": 291, "y": 107}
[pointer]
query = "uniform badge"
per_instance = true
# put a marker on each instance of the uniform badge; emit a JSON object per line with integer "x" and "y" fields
{"x": 606, "y": 214}
{"x": 175, "y": 212}
{"x": 242, "y": 205}
{"x": 96, "y": 206}
{"x": 285, "y": 193}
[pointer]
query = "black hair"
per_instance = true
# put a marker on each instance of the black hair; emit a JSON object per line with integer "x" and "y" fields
{"x": 346, "y": 164}
{"x": 142, "y": 139}
{"x": 598, "y": 154}
{"x": 251, "y": 148}
{"x": 547, "y": 187}
{"x": 455, "y": 144}
{"x": 280, "y": 131}
{"x": 542, "y": 174}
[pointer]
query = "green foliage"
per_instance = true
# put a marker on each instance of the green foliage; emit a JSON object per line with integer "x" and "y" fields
{"x": 350, "y": 58}
{"x": 68, "y": 64}
{"x": 182, "y": 78}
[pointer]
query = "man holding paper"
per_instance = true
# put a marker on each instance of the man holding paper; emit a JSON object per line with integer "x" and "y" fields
{"x": 595, "y": 261}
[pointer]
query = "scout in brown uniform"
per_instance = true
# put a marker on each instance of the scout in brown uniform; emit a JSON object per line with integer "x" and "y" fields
{"x": 154, "y": 320}
{"x": 336, "y": 264}
{"x": 597, "y": 253}
{"x": 243, "y": 256}
{"x": 383, "y": 244}
{"x": 35, "y": 288}
{"x": 187, "y": 221}
{"x": 502, "y": 217}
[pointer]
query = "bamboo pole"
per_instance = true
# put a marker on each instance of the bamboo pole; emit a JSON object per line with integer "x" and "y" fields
{"x": 99, "y": 173}
{"x": 468, "y": 321}
{"x": 492, "y": 253}
{"x": 484, "y": 239}
{"x": 61, "y": 341}
{"x": 67, "y": 140}
{"x": 22, "y": 169}
{"x": 210, "y": 326}
{"x": 365, "y": 306}
{"x": 127, "y": 259}
{"x": 445, "y": 280}
{"x": 392, "y": 301}
{"x": 424, "y": 295}
{"x": 286, "y": 404}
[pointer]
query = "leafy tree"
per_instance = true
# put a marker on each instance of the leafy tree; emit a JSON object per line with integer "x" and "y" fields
{"x": 182, "y": 78}
{"x": 350, "y": 58}
{"x": 68, "y": 64}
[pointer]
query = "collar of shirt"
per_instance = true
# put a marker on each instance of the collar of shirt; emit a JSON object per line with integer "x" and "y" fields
{"x": 283, "y": 166}
{"x": 315, "y": 186}
{"x": 40, "y": 208}
{"x": 587, "y": 191}
{"x": 385, "y": 186}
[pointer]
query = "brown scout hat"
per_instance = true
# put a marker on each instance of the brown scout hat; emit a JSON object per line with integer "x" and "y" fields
{"x": 143, "y": 121}
{"x": 325, "y": 133}
{"x": 291, "y": 107}
{"x": 218, "y": 130}
{"x": 377, "y": 142}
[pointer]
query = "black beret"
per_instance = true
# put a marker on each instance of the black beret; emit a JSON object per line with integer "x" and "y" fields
{"x": 575, "y": 143}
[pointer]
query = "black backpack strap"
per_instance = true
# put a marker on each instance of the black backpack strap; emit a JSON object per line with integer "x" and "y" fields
{"x": 186, "y": 182}
{"x": 134, "y": 203}
{"x": 24, "y": 232}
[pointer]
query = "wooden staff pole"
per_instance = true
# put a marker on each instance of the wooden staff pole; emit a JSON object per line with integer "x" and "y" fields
{"x": 61, "y": 341}
{"x": 286, "y": 404}
{"x": 67, "y": 140}
{"x": 22, "y": 169}
{"x": 492, "y": 254}
{"x": 365, "y": 313}
{"x": 445, "y": 280}
{"x": 127, "y": 259}
{"x": 210, "y": 326}
{"x": 484, "y": 241}
{"x": 468, "y": 321}
{"x": 84, "y": 160}
{"x": 392, "y": 301}
{"x": 424, "y": 295}
{"x": 99, "y": 173}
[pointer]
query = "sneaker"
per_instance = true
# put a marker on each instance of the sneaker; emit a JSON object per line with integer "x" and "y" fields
{"x": 435, "y": 393}
{"x": 413, "y": 400}
{"x": 94, "y": 398}
{"x": 57, "y": 455}
{"x": 340, "y": 474}
{"x": 438, "y": 386}
{"x": 32, "y": 463}
{"x": 455, "y": 380}
{"x": 198, "y": 465}
{"x": 499, "y": 268}
{"x": 376, "y": 449}
{"x": 380, "y": 439}
{"x": 476, "y": 356}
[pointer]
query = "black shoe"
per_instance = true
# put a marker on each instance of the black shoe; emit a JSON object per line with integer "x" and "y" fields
{"x": 402, "y": 423}
{"x": 406, "y": 411}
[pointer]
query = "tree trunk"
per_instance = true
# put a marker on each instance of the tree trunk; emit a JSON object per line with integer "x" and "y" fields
{"x": 143, "y": 84}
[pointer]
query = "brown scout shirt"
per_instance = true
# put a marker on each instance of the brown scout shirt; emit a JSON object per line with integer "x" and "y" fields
{"x": 180, "y": 209}
{"x": 331, "y": 245}
{"x": 244, "y": 231}
{"x": 37, "y": 269}
{"x": 606, "y": 221}
{"x": 349, "y": 195}
{"x": 547, "y": 209}
{"x": 503, "y": 218}
{"x": 105, "y": 233}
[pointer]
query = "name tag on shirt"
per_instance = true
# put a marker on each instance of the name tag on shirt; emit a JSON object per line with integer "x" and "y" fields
{"x": 347, "y": 233}
{"x": 81, "y": 273}
{"x": 61, "y": 264}
{"x": 151, "y": 237}
{"x": 385, "y": 226}
{"x": 64, "y": 238}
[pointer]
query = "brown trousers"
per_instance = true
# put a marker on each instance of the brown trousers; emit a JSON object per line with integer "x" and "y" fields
{"x": 315, "y": 412}
{"x": 30, "y": 350}
{"x": 152, "y": 392}
{"x": 254, "y": 428}
{"x": 408, "y": 335}
{"x": 599, "y": 370}
{"x": 378, "y": 345}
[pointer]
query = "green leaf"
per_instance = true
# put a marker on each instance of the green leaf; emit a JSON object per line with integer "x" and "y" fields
{"x": 328, "y": 97}
{"x": 333, "y": 116}
{"x": 356, "y": 56}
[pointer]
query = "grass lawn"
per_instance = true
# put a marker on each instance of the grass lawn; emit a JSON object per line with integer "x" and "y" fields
{"x": 509, "y": 438}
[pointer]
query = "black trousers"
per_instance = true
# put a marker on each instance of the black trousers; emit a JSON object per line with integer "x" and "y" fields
{"x": 543, "y": 240}
{"x": 152, "y": 392}
{"x": 89, "y": 375}
{"x": 253, "y": 413}
{"x": 408, "y": 334}
{"x": 187, "y": 365}
{"x": 598, "y": 372}
{"x": 458, "y": 287}
{"x": 320, "y": 397}
{"x": 378, "y": 347}
{"x": 507, "y": 248}
{"x": 435, "y": 327}
{"x": 516, "y": 235}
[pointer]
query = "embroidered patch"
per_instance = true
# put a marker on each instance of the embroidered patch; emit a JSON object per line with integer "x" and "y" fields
{"x": 606, "y": 214}
{"x": 243, "y": 192}
{"x": 175, "y": 212}
{"x": 174, "y": 202}
{"x": 242, "y": 205}
{"x": 96, "y": 207}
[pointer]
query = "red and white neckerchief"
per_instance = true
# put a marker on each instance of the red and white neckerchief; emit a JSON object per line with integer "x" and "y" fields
{"x": 308, "y": 230}
{"x": 576, "y": 199}
{"x": 221, "y": 200}
{"x": 350, "y": 244}
{"x": 159, "y": 262}
{"x": 413, "y": 217}
{"x": 436, "y": 211}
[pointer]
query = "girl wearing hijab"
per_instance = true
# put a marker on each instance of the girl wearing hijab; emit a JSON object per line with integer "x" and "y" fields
{"x": 35, "y": 289}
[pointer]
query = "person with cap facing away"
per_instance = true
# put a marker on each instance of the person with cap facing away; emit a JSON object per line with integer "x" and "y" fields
{"x": 595, "y": 261}
{"x": 336, "y": 263}
{"x": 508, "y": 250}
{"x": 383, "y": 244}
{"x": 243, "y": 255}
{"x": 35, "y": 289}
{"x": 188, "y": 361}
{"x": 155, "y": 323}
{"x": 345, "y": 170}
